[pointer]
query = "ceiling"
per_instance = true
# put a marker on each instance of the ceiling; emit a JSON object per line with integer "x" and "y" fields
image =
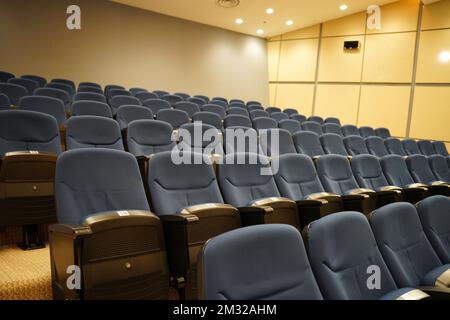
{"x": 302, "y": 12}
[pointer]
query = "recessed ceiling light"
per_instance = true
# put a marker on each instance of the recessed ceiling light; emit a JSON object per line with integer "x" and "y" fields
{"x": 270, "y": 11}
{"x": 343, "y": 7}
{"x": 260, "y": 31}
{"x": 289, "y": 23}
{"x": 239, "y": 21}
{"x": 445, "y": 56}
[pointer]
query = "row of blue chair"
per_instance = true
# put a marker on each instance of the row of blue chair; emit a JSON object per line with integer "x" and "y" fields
{"x": 405, "y": 247}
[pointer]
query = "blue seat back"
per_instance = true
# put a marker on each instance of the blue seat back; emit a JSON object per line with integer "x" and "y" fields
{"x": 55, "y": 93}
{"x": 368, "y": 172}
{"x": 89, "y": 96}
{"x": 350, "y": 130}
{"x": 147, "y": 137}
{"x": 48, "y": 105}
{"x": 355, "y": 145}
{"x": 383, "y": 133}
{"x": 279, "y": 116}
{"x": 308, "y": 143}
{"x": 237, "y": 121}
{"x": 264, "y": 124}
{"x": 275, "y": 142}
{"x": 426, "y": 147}
{"x": 332, "y": 128}
{"x": 208, "y": 118}
{"x": 439, "y": 167}
{"x": 290, "y": 125}
{"x": 333, "y": 144}
{"x": 366, "y": 132}
{"x": 156, "y": 105}
{"x": 316, "y": 119}
{"x": 312, "y": 126}
{"x": 215, "y": 108}
{"x": 336, "y": 174}
{"x": 5, "y": 103}
{"x": 127, "y": 114}
{"x": 396, "y": 171}
{"x": 176, "y": 118}
{"x": 440, "y": 148}
{"x": 41, "y": 80}
{"x": 14, "y": 92}
{"x": 189, "y": 107}
{"x": 395, "y": 146}
{"x": 333, "y": 121}
{"x": 91, "y": 108}
{"x": 376, "y": 146}
{"x": 411, "y": 147}
{"x": 420, "y": 169}
{"x": 30, "y": 85}
{"x": 117, "y": 101}
{"x": 144, "y": 96}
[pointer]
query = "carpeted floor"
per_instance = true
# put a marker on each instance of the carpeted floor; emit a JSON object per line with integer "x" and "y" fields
{"x": 25, "y": 275}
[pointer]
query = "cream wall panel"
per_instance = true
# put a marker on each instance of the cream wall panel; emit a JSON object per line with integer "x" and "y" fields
{"x": 436, "y": 15}
{"x": 385, "y": 106}
{"x": 430, "y": 67}
{"x": 354, "y": 24}
{"x": 389, "y": 57}
{"x": 337, "y": 64}
{"x": 431, "y": 113}
{"x": 272, "y": 93}
{"x": 399, "y": 16}
{"x": 339, "y": 101}
{"x": 298, "y": 60}
{"x": 273, "y": 58}
{"x": 297, "y": 96}
{"x": 305, "y": 33}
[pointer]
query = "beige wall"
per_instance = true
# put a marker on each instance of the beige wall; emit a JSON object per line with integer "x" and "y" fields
{"x": 375, "y": 85}
{"x": 132, "y": 47}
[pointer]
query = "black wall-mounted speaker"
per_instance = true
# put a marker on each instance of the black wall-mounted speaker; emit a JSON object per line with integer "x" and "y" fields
{"x": 351, "y": 45}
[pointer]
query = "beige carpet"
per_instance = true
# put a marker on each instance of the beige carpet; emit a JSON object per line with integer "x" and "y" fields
{"x": 25, "y": 275}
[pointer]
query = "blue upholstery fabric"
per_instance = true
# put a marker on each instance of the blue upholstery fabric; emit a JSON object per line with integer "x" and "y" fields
{"x": 242, "y": 184}
{"x": 61, "y": 86}
{"x": 308, "y": 143}
{"x": 219, "y": 99}
{"x": 127, "y": 114}
{"x": 420, "y": 169}
{"x": 208, "y": 118}
{"x": 111, "y": 87}
{"x": 290, "y": 111}
{"x": 440, "y": 148}
{"x": 290, "y": 125}
{"x": 235, "y": 104}
{"x": 383, "y": 133}
{"x": 198, "y": 137}
{"x": 316, "y": 119}
{"x": 55, "y": 93}
{"x": 146, "y": 137}
{"x": 202, "y": 97}
{"x": 376, "y": 146}
{"x": 251, "y": 102}
{"x": 271, "y": 110}
{"x": 135, "y": 91}
{"x": 189, "y": 107}
{"x": 333, "y": 144}
{"x": 258, "y": 114}
{"x": 435, "y": 218}
{"x": 312, "y": 126}
{"x": 237, "y": 101}
{"x": 264, "y": 124}
{"x": 275, "y": 250}
{"x": 405, "y": 247}
{"x": 144, "y": 96}
{"x": 91, "y": 108}
{"x": 297, "y": 177}
{"x": 332, "y": 128}
{"x": 30, "y": 85}
{"x": 42, "y": 81}
{"x": 13, "y": 91}
{"x": 367, "y": 132}
{"x": 176, "y": 118}
{"x": 333, "y": 121}
{"x": 89, "y": 84}
{"x": 395, "y": 146}
{"x": 233, "y": 110}
{"x": 118, "y": 101}
{"x": 237, "y": 121}
{"x": 336, "y": 174}
{"x": 222, "y": 103}
{"x": 174, "y": 187}
{"x": 279, "y": 116}
{"x": 256, "y": 107}
{"x": 241, "y": 139}
{"x": 5, "y": 103}
{"x": 183, "y": 95}
{"x": 66, "y": 82}
{"x": 341, "y": 248}
{"x": 160, "y": 93}
{"x": 355, "y": 145}
{"x": 28, "y": 131}
{"x": 93, "y": 132}
{"x": 5, "y": 76}
{"x": 396, "y": 171}
{"x": 172, "y": 99}
{"x": 426, "y": 147}
{"x": 298, "y": 117}
{"x": 198, "y": 101}
{"x": 89, "y": 96}
{"x": 281, "y": 144}
{"x": 350, "y": 130}
{"x": 411, "y": 147}
{"x": 50, "y": 106}
{"x": 439, "y": 167}
{"x": 156, "y": 105}
{"x": 117, "y": 92}
{"x": 214, "y": 108}
{"x": 90, "y": 181}
{"x": 368, "y": 172}
{"x": 91, "y": 90}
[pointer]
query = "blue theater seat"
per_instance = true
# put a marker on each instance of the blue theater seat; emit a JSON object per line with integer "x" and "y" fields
{"x": 264, "y": 124}
{"x": 316, "y": 119}
{"x": 204, "y": 98}
{"x": 341, "y": 250}
{"x": 426, "y": 147}
{"x": 156, "y": 105}
{"x": 383, "y": 133}
{"x": 290, "y": 111}
{"x": 61, "y": 86}
{"x": 421, "y": 172}
{"x": 144, "y": 96}
{"x": 290, "y": 125}
{"x": 160, "y": 93}
{"x": 30, "y": 85}
{"x": 209, "y": 142}
{"x": 237, "y": 121}
{"x": 198, "y": 101}
{"x": 5, "y": 76}
{"x": 41, "y": 80}
{"x": 103, "y": 212}
{"x": 13, "y": 91}
{"x": 208, "y": 118}
{"x": 48, "y": 105}
{"x": 376, "y": 146}
{"x": 411, "y": 147}
{"x": 89, "y": 96}
{"x": 440, "y": 148}
{"x": 172, "y": 99}
{"x": 333, "y": 121}
{"x": 88, "y": 89}
{"x": 55, "y": 93}
{"x": 238, "y": 111}
{"x": 5, "y": 103}
{"x": 279, "y": 116}
{"x": 89, "y": 84}
{"x": 127, "y": 114}
{"x": 147, "y": 137}
{"x": 66, "y": 82}
{"x": 91, "y": 108}
{"x": 224, "y": 274}
{"x": 333, "y": 144}
{"x": 395, "y": 146}
{"x": 350, "y": 130}
{"x": 312, "y": 126}
{"x": 256, "y": 107}
{"x": 332, "y": 128}
{"x": 214, "y": 108}
{"x": 355, "y": 145}
{"x": 117, "y": 101}
{"x": 258, "y": 114}
{"x": 298, "y": 117}
{"x": 367, "y": 132}
{"x": 271, "y": 110}
{"x": 439, "y": 167}
{"x": 93, "y": 132}
{"x": 189, "y": 107}
{"x": 308, "y": 143}
{"x": 176, "y": 118}
{"x": 135, "y": 91}
{"x": 275, "y": 142}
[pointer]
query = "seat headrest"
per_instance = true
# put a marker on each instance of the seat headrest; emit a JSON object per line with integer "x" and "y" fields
{"x": 150, "y": 132}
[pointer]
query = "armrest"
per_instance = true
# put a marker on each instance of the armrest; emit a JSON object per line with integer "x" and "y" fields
{"x": 415, "y": 294}
{"x": 178, "y": 218}
{"x": 258, "y": 210}
{"x": 440, "y": 183}
{"x": 324, "y": 196}
{"x": 311, "y": 203}
{"x": 255, "y": 214}
{"x": 360, "y": 191}
{"x": 354, "y": 197}
{"x": 395, "y": 189}
{"x": 437, "y": 293}
{"x": 271, "y": 201}
{"x": 417, "y": 186}
{"x": 75, "y": 231}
